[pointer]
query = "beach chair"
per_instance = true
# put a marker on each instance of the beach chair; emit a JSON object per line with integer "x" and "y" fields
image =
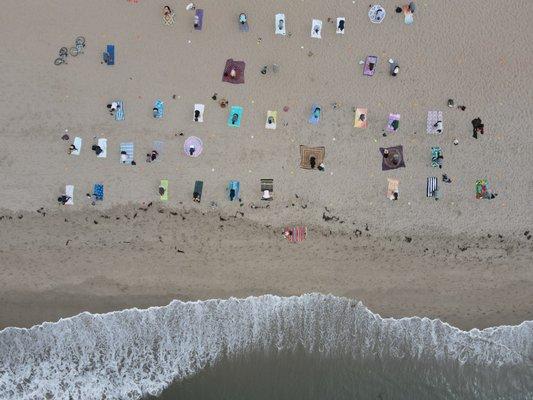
{"x": 159, "y": 107}
{"x": 315, "y": 115}
{"x": 119, "y": 114}
{"x": 370, "y": 65}
{"x": 77, "y": 144}
{"x": 98, "y": 192}
{"x": 432, "y": 187}
{"x": 392, "y": 188}
{"x": 197, "y": 193}
{"x": 340, "y": 25}
{"x": 436, "y": 157}
{"x": 393, "y": 123}
{"x": 271, "y": 120}
{"x": 235, "y": 116}
{"x": 69, "y": 192}
{"x": 433, "y": 118}
{"x": 109, "y": 55}
{"x": 102, "y": 143}
{"x": 360, "y": 120}
{"x": 267, "y": 188}
{"x": 198, "y": 19}
{"x": 280, "y": 24}
{"x": 316, "y": 29}
{"x": 198, "y": 113}
{"x": 295, "y": 234}
{"x": 232, "y": 190}
{"x": 128, "y": 148}
{"x": 163, "y": 188}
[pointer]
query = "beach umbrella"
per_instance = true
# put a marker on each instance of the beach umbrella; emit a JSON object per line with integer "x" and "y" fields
{"x": 195, "y": 144}
{"x": 376, "y": 14}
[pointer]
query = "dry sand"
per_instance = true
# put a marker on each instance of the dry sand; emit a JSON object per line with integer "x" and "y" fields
{"x": 474, "y": 52}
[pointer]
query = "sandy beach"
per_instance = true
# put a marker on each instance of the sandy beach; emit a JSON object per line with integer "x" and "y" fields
{"x": 463, "y": 260}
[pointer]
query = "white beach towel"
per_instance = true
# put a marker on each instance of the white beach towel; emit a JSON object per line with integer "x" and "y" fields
{"x": 69, "y": 191}
{"x": 280, "y": 24}
{"x": 340, "y": 31}
{"x": 316, "y": 29}
{"x": 433, "y": 117}
{"x": 103, "y": 145}
{"x": 77, "y": 143}
{"x": 200, "y": 108}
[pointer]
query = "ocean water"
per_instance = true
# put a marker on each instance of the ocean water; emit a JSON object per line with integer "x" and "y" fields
{"x": 308, "y": 347}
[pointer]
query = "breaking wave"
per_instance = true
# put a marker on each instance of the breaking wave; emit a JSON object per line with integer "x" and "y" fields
{"x": 134, "y": 353}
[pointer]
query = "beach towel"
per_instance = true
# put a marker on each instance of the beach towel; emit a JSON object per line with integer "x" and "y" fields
{"x": 358, "y": 123}
{"x": 432, "y": 187}
{"x": 319, "y": 153}
{"x": 433, "y": 117}
{"x": 119, "y": 114}
{"x": 393, "y": 123}
{"x": 195, "y": 143}
{"x": 164, "y": 185}
{"x": 109, "y": 54}
{"x": 98, "y": 191}
{"x": 316, "y": 29}
{"x": 69, "y": 192}
{"x": 392, "y": 157}
{"x": 280, "y": 24}
{"x": 436, "y": 157}
{"x": 128, "y": 148}
{"x": 197, "y": 193}
{"x": 243, "y": 23}
{"x": 482, "y": 189}
{"x": 158, "y": 145}
{"x": 238, "y": 66}
{"x": 102, "y": 143}
{"x": 376, "y": 14}
{"x": 168, "y": 19}
{"x": 271, "y": 121}
{"x": 370, "y": 65}
{"x": 295, "y": 234}
{"x": 237, "y": 112}
{"x": 160, "y": 106}
{"x": 198, "y": 19}
{"x": 392, "y": 187}
{"x": 340, "y": 25}
{"x": 235, "y": 187}
{"x": 315, "y": 115}
{"x": 198, "y": 110}
{"x": 77, "y": 144}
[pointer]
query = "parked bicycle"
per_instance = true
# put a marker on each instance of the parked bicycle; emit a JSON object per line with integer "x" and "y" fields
{"x": 79, "y": 45}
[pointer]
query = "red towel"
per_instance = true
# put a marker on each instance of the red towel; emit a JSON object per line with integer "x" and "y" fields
{"x": 295, "y": 234}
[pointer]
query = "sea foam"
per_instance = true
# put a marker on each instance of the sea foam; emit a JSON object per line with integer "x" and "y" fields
{"x": 132, "y": 353}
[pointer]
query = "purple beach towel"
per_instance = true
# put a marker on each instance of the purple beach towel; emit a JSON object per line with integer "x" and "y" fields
{"x": 194, "y": 143}
{"x": 394, "y": 158}
{"x": 238, "y": 66}
{"x": 370, "y": 65}
{"x": 198, "y": 19}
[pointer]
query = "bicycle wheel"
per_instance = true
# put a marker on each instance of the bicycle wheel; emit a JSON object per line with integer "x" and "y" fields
{"x": 73, "y": 51}
{"x": 80, "y": 41}
{"x": 63, "y": 52}
{"x": 59, "y": 61}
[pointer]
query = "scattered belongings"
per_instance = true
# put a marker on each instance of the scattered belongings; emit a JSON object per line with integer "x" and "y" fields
{"x": 198, "y": 113}
{"x": 434, "y": 122}
{"x": 267, "y": 188}
{"x": 477, "y": 127}
{"x": 159, "y": 108}
{"x": 340, "y": 25}
{"x": 235, "y": 116}
{"x": 314, "y": 118}
{"x": 98, "y": 192}
{"x": 193, "y": 146}
{"x": 157, "y": 150}
{"x": 65, "y": 137}
{"x": 376, "y": 14}
{"x": 446, "y": 179}
{"x": 190, "y": 6}
{"x": 126, "y": 153}
{"x": 295, "y": 234}
{"x": 243, "y": 22}
{"x": 316, "y": 29}
{"x": 197, "y": 193}
{"x": 451, "y": 103}
{"x": 223, "y": 103}
{"x": 432, "y": 188}
{"x": 394, "y": 67}
{"x": 392, "y": 157}
{"x": 168, "y": 16}
{"x": 436, "y": 157}
{"x": 163, "y": 190}
{"x": 68, "y": 197}
{"x": 392, "y": 189}
{"x": 370, "y": 65}
{"x": 234, "y": 71}
{"x": 102, "y": 145}
{"x": 75, "y": 147}
{"x": 360, "y": 120}
{"x": 483, "y": 191}
{"x": 232, "y": 190}
{"x": 109, "y": 55}
{"x": 311, "y": 157}
{"x": 271, "y": 121}
{"x": 198, "y": 19}
{"x": 280, "y": 24}
{"x": 393, "y": 123}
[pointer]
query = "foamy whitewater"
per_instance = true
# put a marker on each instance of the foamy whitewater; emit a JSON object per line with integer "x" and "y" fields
{"x": 133, "y": 353}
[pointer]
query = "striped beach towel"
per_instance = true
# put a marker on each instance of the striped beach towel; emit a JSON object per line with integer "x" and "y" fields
{"x": 128, "y": 148}
{"x": 431, "y": 187}
{"x": 295, "y": 234}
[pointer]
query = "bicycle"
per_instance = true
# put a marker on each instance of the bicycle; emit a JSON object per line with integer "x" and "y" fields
{"x": 78, "y": 47}
{"x": 62, "y": 59}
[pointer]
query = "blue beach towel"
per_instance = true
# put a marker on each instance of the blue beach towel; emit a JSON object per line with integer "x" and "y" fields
{"x": 233, "y": 190}
{"x": 235, "y": 110}
{"x": 109, "y": 55}
{"x": 160, "y": 108}
{"x": 119, "y": 114}
{"x": 98, "y": 191}
{"x": 316, "y": 111}
{"x": 128, "y": 148}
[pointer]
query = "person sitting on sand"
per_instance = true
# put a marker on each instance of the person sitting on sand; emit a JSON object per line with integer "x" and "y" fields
{"x": 113, "y": 107}
{"x": 478, "y": 127}
{"x": 72, "y": 148}
{"x": 395, "y": 70}
{"x": 321, "y": 167}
